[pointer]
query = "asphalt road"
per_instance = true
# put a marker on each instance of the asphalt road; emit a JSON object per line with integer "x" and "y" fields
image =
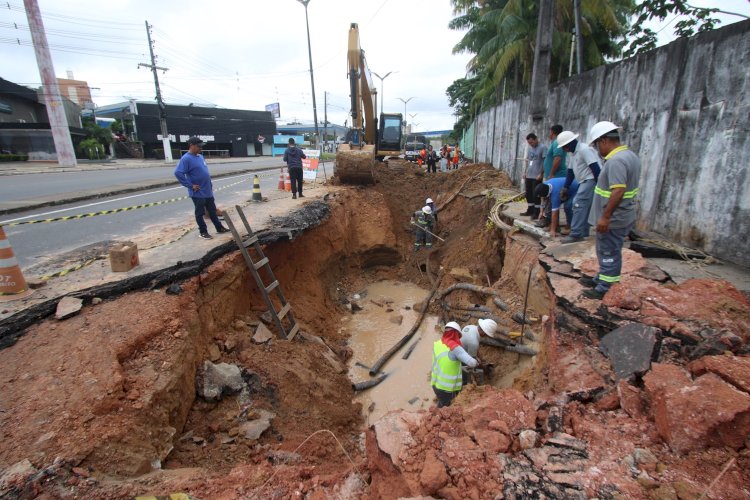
{"x": 30, "y": 189}
{"x": 36, "y": 243}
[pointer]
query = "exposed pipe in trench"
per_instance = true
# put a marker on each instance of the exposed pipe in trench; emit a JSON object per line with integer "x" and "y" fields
{"x": 361, "y": 386}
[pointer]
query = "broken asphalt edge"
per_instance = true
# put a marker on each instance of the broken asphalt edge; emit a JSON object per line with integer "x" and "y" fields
{"x": 288, "y": 227}
{"x": 93, "y": 195}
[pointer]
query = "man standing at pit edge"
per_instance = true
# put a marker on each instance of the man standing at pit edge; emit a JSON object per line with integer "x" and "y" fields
{"x": 192, "y": 172}
{"x": 447, "y": 356}
{"x": 293, "y": 157}
{"x": 613, "y": 211}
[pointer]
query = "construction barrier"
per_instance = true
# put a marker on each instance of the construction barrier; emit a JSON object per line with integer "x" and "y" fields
{"x": 288, "y": 183}
{"x": 281, "y": 179}
{"x": 12, "y": 283}
{"x": 256, "y": 190}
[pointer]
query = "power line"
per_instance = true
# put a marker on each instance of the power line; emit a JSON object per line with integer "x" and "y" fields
{"x": 76, "y": 19}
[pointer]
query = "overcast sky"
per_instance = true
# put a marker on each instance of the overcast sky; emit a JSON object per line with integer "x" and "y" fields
{"x": 246, "y": 54}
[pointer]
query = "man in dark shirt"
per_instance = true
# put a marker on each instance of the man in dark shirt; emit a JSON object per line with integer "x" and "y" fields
{"x": 293, "y": 157}
{"x": 192, "y": 172}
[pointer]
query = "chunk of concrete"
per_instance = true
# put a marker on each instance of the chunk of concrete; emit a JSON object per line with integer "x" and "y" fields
{"x": 214, "y": 381}
{"x": 692, "y": 415}
{"x": 630, "y": 349}
{"x": 392, "y": 434}
{"x": 68, "y": 307}
{"x": 253, "y": 429}
{"x": 528, "y": 439}
{"x": 732, "y": 369}
{"x": 262, "y": 334}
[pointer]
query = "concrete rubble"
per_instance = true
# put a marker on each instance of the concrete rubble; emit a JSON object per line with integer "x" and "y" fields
{"x": 68, "y": 307}
{"x": 215, "y": 381}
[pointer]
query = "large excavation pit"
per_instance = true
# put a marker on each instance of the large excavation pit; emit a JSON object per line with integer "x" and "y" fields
{"x": 113, "y": 391}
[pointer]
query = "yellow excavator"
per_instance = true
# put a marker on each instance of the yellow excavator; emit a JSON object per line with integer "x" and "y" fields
{"x": 369, "y": 140}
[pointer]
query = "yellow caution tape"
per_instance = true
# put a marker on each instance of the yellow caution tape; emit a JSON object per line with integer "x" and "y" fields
{"x": 117, "y": 210}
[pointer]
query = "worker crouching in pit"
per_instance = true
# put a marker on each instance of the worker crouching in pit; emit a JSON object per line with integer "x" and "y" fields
{"x": 447, "y": 356}
{"x": 425, "y": 223}
{"x": 470, "y": 336}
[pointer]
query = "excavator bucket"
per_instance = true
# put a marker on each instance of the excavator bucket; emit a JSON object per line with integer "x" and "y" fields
{"x": 355, "y": 165}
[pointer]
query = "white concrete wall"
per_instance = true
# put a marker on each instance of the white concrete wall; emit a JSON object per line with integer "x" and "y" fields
{"x": 685, "y": 109}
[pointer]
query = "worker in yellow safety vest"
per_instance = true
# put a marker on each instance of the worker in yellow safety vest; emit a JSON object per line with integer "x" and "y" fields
{"x": 447, "y": 356}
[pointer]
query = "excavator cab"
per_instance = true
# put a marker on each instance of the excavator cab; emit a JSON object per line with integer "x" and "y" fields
{"x": 389, "y": 135}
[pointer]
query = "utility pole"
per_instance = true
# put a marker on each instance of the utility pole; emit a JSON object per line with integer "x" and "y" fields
{"x": 542, "y": 55}
{"x": 325, "y": 117}
{"x": 579, "y": 37}
{"x": 58, "y": 122}
{"x": 159, "y": 100}
{"x": 312, "y": 79}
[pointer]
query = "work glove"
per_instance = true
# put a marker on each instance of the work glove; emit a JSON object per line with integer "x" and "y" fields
{"x": 564, "y": 194}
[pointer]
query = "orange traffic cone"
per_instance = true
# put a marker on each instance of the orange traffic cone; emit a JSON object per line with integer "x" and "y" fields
{"x": 288, "y": 183}
{"x": 12, "y": 283}
{"x": 281, "y": 180}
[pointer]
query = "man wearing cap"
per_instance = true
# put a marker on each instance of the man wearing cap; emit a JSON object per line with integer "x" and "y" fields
{"x": 585, "y": 170}
{"x": 470, "y": 336}
{"x": 293, "y": 157}
{"x": 614, "y": 210}
{"x": 192, "y": 172}
{"x": 425, "y": 223}
{"x": 447, "y": 356}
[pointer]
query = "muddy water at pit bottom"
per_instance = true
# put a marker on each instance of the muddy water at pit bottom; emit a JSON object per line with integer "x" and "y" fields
{"x": 372, "y": 333}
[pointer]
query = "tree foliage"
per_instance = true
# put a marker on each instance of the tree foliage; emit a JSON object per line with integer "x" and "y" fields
{"x": 694, "y": 20}
{"x": 501, "y": 36}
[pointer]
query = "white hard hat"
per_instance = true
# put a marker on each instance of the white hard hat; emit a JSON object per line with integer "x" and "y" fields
{"x": 600, "y": 129}
{"x": 565, "y": 138}
{"x": 427, "y": 209}
{"x": 428, "y": 200}
{"x": 488, "y": 326}
{"x": 452, "y": 324}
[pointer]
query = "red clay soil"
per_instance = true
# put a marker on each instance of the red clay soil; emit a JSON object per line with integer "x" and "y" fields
{"x": 104, "y": 405}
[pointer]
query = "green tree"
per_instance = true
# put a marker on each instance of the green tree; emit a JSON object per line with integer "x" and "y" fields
{"x": 694, "y": 20}
{"x": 502, "y": 35}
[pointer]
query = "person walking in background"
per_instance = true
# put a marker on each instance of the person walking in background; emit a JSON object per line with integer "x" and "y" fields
{"x": 432, "y": 159}
{"x": 614, "y": 209}
{"x": 192, "y": 172}
{"x": 584, "y": 168}
{"x": 456, "y": 157}
{"x": 444, "y": 159}
{"x": 533, "y": 175}
{"x": 293, "y": 157}
{"x": 447, "y": 356}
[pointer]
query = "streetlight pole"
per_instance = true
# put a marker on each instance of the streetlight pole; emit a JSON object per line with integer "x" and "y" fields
{"x": 382, "y": 92}
{"x": 404, "y": 101}
{"x": 312, "y": 79}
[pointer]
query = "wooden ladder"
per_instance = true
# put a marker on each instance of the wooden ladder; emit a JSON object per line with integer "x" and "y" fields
{"x": 286, "y": 307}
